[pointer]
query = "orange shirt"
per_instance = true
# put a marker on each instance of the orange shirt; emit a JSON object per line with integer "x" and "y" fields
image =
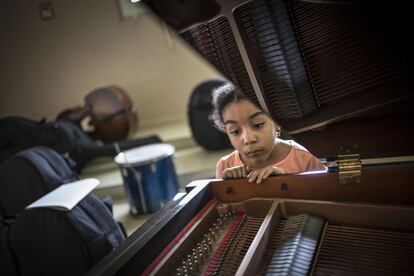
{"x": 298, "y": 160}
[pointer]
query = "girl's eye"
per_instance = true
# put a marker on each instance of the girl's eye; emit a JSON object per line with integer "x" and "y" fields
{"x": 235, "y": 132}
{"x": 259, "y": 125}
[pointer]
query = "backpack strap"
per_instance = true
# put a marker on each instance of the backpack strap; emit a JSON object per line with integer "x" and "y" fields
{"x": 53, "y": 168}
{"x": 100, "y": 232}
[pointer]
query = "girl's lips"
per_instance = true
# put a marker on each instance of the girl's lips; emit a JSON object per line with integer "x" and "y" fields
{"x": 254, "y": 153}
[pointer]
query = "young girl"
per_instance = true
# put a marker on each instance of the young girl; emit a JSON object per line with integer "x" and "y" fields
{"x": 254, "y": 135}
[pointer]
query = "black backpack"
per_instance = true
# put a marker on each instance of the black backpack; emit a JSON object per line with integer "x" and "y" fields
{"x": 46, "y": 241}
{"x": 18, "y": 133}
{"x": 29, "y": 175}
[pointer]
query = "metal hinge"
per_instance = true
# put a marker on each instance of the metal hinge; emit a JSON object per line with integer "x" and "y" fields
{"x": 349, "y": 167}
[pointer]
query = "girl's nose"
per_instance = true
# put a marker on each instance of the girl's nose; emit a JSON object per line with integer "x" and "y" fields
{"x": 249, "y": 137}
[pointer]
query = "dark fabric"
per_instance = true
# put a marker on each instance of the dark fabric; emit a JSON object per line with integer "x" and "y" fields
{"x": 52, "y": 242}
{"x": 204, "y": 133}
{"x": 107, "y": 201}
{"x": 29, "y": 175}
{"x": 106, "y": 233}
{"x": 7, "y": 260}
{"x": 17, "y": 134}
{"x": 45, "y": 241}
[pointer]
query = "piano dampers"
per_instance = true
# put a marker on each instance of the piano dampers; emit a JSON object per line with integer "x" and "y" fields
{"x": 350, "y": 47}
{"x": 215, "y": 42}
{"x": 272, "y": 47}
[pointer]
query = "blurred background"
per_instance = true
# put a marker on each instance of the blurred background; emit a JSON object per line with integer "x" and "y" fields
{"x": 54, "y": 53}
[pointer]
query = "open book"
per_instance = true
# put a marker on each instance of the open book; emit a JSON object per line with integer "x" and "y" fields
{"x": 66, "y": 196}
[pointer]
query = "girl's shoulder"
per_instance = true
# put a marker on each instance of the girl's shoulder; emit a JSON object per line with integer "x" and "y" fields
{"x": 230, "y": 158}
{"x": 292, "y": 150}
{"x": 295, "y": 146}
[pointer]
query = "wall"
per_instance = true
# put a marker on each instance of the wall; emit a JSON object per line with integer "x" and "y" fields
{"x": 50, "y": 65}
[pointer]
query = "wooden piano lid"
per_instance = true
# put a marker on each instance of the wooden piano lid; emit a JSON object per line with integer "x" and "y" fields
{"x": 334, "y": 74}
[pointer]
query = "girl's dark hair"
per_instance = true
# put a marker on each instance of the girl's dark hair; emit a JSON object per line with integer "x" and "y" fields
{"x": 223, "y": 96}
{"x": 229, "y": 93}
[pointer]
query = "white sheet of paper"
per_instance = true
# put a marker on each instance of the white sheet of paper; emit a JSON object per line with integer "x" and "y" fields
{"x": 66, "y": 196}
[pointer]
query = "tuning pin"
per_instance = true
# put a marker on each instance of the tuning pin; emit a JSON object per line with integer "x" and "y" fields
{"x": 184, "y": 264}
{"x": 191, "y": 268}
{"x": 212, "y": 235}
{"x": 229, "y": 215}
{"x": 200, "y": 256}
{"x": 195, "y": 261}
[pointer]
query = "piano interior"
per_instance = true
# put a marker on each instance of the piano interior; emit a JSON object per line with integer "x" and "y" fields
{"x": 302, "y": 224}
{"x": 266, "y": 236}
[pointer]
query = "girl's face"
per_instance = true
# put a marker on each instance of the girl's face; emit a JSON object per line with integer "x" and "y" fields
{"x": 251, "y": 131}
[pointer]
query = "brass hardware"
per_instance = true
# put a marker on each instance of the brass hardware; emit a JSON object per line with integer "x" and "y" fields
{"x": 349, "y": 166}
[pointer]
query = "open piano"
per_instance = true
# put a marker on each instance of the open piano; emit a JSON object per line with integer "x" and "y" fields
{"x": 337, "y": 75}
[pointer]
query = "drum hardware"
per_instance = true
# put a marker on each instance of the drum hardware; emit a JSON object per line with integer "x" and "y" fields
{"x": 138, "y": 178}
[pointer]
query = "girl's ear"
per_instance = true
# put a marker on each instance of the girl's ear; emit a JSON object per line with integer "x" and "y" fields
{"x": 277, "y": 128}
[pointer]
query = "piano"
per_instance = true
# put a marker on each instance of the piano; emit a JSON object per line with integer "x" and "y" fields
{"x": 337, "y": 75}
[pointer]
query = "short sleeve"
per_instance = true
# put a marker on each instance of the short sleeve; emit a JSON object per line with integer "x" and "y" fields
{"x": 314, "y": 164}
{"x": 225, "y": 162}
{"x": 219, "y": 168}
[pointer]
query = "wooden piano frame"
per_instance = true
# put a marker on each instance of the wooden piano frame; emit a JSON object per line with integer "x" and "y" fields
{"x": 384, "y": 198}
